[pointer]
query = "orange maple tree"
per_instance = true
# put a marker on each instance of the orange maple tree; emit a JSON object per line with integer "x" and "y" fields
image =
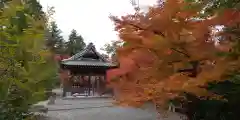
{"x": 169, "y": 50}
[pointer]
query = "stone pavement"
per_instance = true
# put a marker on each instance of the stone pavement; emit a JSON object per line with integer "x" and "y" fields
{"x": 95, "y": 109}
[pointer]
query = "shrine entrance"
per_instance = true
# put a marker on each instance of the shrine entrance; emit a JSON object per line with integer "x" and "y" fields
{"x": 87, "y": 73}
{"x": 87, "y": 85}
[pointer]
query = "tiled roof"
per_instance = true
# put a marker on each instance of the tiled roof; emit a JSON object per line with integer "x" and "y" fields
{"x": 84, "y": 51}
{"x": 79, "y": 60}
{"x": 89, "y": 63}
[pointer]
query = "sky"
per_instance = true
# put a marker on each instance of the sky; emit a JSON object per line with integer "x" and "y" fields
{"x": 90, "y": 17}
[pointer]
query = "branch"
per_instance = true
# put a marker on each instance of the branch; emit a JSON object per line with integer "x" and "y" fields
{"x": 193, "y": 72}
{"x": 175, "y": 61}
{"x": 185, "y": 54}
{"x": 141, "y": 28}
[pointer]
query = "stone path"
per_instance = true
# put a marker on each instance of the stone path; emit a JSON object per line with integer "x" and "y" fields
{"x": 95, "y": 109}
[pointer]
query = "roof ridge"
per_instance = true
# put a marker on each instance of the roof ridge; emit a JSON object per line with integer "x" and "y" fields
{"x": 79, "y": 54}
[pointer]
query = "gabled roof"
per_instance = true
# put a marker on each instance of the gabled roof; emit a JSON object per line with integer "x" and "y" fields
{"x": 79, "y": 60}
{"x": 90, "y": 48}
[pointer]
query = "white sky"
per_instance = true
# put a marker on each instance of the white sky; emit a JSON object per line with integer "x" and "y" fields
{"x": 90, "y": 17}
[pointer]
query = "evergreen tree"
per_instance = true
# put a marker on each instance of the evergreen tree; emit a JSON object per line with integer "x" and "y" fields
{"x": 55, "y": 41}
{"x": 34, "y": 8}
{"x": 111, "y": 49}
{"x": 75, "y": 43}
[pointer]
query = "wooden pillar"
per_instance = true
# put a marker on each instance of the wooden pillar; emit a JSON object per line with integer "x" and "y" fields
{"x": 85, "y": 85}
{"x": 93, "y": 84}
{"x": 89, "y": 85}
{"x": 64, "y": 78}
{"x": 104, "y": 82}
{"x": 98, "y": 88}
{"x": 64, "y": 91}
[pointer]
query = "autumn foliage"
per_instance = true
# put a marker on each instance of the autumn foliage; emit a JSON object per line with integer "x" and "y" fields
{"x": 169, "y": 50}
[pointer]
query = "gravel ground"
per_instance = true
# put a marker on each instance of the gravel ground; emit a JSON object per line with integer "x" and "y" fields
{"x": 95, "y": 109}
{"x": 98, "y": 109}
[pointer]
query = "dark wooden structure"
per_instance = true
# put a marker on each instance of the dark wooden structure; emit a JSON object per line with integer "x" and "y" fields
{"x": 87, "y": 72}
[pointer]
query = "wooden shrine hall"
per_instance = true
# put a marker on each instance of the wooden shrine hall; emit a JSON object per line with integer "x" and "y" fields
{"x": 86, "y": 71}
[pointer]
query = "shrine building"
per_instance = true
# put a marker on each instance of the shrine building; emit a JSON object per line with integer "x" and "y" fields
{"x": 86, "y": 73}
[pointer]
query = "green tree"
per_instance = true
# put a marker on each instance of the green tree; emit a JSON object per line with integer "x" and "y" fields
{"x": 34, "y": 9}
{"x": 105, "y": 56}
{"x": 210, "y": 7}
{"x": 75, "y": 43}
{"x": 211, "y": 109}
{"x": 111, "y": 49}
{"x": 55, "y": 41}
{"x": 22, "y": 60}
